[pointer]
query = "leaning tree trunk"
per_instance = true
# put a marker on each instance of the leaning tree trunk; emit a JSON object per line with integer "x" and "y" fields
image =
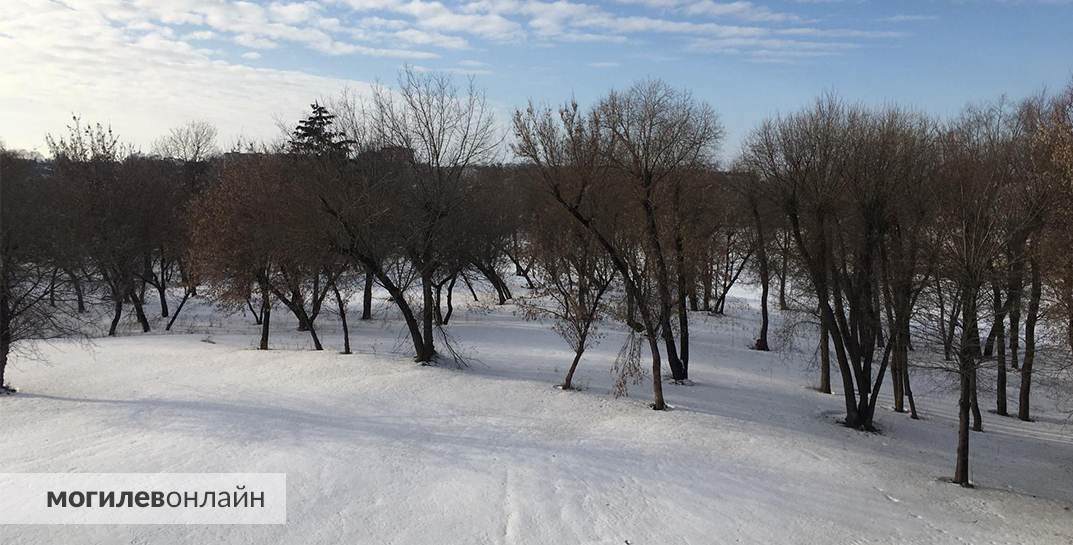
{"x": 568, "y": 381}
{"x": 139, "y": 310}
{"x": 115, "y": 317}
{"x": 342, "y": 318}
{"x": 303, "y": 318}
{"x": 182, "y": 302}
{"x": 1024, "y": 401}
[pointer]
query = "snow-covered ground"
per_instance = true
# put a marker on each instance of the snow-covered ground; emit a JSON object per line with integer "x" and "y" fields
{"x": 380, "y": 450}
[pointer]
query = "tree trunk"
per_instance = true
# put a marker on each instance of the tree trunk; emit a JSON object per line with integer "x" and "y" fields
{"x": 765, "y": 281}
{"x": 469, "y": 285}
{"x": 52, "y": 288}
{"x": 428, "y": 348}
{"x": 706, "y": 284}
{"x": 977, "y": 419}
{"x": 162, "y": 293}
{"x": 5, "y": 338}
{"x": 266, "y": 316}
{"x": 450, "y": 301}
{"x": 79, "y": 295}
{"x": 139, "y": 310}
{"x": 367, "y": 296}
{"x": 342, "y": 318}
{"x": 782, "y": 274}
{"x": 115, "y": 317}
{"x": 568, "y": 381}
{"x": 438, "y": 288}
{"x": 657, "y": 378}
{"x": 304, "y": 318}
{"x": 961, "y": 469}
{"x": 909, "y": 395}
{"x": 1024, "y": 401}
{"x": 970, "y": 347}
{"x": 1014, "y": 295}
{"x": 765, "y": 275}
{"x": 399, "y": 298}
{"x": 4, "y": 351}
{"x": 256, "y": 315}
{"x": 182, "y": 302}
{"x": 825, "y": 358}
{"x": 999, "y": 327}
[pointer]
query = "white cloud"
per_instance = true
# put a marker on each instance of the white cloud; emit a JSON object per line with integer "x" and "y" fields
{"x": 86, "y": 64}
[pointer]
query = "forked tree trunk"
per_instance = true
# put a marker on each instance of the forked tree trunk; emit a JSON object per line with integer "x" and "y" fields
{"x": 139, "y": 310}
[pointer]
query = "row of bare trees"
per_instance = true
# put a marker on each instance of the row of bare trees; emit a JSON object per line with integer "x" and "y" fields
{"x": 911, "y": 242}
{"x": 914, "y": 233}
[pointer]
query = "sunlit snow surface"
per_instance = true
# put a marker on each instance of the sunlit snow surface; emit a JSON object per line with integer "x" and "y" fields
{"x": 380, "y": 450}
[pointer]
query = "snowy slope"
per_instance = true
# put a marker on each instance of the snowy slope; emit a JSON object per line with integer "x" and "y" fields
{"x": 380, "y": 450}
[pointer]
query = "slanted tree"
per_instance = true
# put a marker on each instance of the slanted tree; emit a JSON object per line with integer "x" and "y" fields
{"x": 571, "y": 277}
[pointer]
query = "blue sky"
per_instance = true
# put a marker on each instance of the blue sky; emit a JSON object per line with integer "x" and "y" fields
{"x": 146, "y": 65}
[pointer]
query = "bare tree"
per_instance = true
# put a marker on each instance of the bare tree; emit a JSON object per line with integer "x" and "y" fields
{"x": 572, "y": 274}
{"x": 193, "y": 142}
{"x": 445, "y": 131}
{"x": 660, "y": 134}
{"x": 30, "y": 249}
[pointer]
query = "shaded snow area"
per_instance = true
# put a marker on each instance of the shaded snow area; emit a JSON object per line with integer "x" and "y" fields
{"x": 379, "y": 450}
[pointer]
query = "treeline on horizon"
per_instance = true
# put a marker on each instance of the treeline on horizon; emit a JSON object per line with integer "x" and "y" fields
{"x": 909, "y": 241}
